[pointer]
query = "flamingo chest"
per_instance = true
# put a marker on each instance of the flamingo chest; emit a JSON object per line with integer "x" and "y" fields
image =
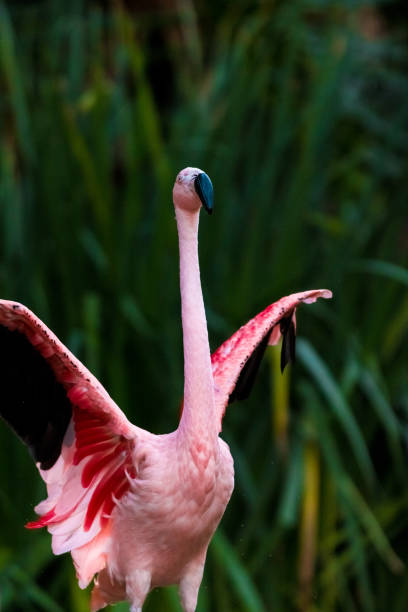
{"x": 197, "y": 489}
{"x": 200, "y": 472}
{"x": 173, "y": 516}
{"x": 205, "y": 484}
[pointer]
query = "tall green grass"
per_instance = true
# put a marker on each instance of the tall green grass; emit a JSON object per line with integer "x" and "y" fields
{"x": 300, "y": 118}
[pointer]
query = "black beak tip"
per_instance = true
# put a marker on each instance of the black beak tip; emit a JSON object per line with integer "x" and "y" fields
{"x": 204, "y": 190}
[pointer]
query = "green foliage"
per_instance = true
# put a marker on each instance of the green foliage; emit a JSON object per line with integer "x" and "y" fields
{"x": 297, "y": 110}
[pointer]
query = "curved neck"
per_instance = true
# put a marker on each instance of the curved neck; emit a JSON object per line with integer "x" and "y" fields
{"x": 198, "y": 416}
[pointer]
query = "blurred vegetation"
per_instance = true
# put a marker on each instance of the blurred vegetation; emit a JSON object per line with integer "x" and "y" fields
{"x": 298, "y": 111}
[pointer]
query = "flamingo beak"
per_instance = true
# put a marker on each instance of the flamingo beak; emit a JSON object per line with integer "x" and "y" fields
{"x": 204, "y": 190}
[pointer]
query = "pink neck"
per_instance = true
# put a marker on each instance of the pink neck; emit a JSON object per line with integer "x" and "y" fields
{"x": 198, "y": 418}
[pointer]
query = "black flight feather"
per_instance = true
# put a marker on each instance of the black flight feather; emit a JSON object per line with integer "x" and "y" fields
{"x": 32, "y": 402}
{"x": 247, "y": 376}
{"x": 288, "y": 352}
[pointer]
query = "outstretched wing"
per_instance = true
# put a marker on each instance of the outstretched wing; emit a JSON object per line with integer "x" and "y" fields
{"x": 236, "y": 362}
{"x": 80, "y": 439}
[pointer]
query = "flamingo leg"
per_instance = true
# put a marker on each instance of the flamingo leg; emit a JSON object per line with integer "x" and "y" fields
{"x": 190, "y": 584}
{"x": 105, "y": 592}
{"x": 137, "y": 588}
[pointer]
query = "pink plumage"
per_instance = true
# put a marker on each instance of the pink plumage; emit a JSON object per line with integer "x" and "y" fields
{"x": 138, "y": 510}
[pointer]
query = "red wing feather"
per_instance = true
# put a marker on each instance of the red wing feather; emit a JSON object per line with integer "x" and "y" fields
{"x": 89, "y": 469}
{"x": 82, "y": 388}
{"x": 230, "y": 358}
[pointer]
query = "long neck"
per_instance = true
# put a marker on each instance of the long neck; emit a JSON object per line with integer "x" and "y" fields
{"x": 198, "y": 418}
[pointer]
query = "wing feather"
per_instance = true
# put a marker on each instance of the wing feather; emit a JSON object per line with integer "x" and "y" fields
{"x": 236, "y": 361}
{"x": 81, "y": 440}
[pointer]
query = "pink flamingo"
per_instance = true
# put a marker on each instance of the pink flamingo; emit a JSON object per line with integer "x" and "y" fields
{"x": 134, "y": 508}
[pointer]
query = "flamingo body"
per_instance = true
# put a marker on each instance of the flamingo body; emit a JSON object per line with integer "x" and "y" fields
{"x": 136, "y": 510}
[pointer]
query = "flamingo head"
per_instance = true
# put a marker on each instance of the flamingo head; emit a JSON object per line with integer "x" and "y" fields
{"x": 192, "y": 189}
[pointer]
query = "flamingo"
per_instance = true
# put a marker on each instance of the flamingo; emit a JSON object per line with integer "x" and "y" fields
{"x": 134, "y": 509}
